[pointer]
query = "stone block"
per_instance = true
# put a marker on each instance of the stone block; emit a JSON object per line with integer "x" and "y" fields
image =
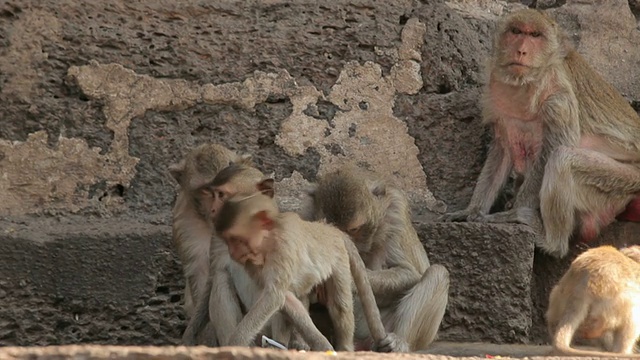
{"x": 491, "y": 271}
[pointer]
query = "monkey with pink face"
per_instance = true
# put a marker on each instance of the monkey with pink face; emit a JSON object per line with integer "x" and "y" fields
{"x": 569, "y": 136}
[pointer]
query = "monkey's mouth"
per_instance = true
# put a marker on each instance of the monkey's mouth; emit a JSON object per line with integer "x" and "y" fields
{"x": 516, "y": 64}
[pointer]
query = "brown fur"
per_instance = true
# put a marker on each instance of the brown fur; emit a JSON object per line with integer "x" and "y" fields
{"x": 411, "y": 294}
{"x": 192, "y": 227}
{"x": 229, "y": 287}
{"x": 287, "y": 257}
{"x": 562, "y": 127}
{"x": 597, "y": 298}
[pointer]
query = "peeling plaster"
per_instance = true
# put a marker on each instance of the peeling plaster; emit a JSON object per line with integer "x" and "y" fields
{"x": 36, "y": 177}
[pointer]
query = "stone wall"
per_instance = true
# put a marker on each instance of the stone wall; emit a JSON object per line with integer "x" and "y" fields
{"x": 99, "y": 97}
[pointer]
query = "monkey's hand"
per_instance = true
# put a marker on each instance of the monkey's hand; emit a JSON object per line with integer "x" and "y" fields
{"x": 391, "y": 343}
{"x": 299, "y": 344}
{"x": 468, "y": 214}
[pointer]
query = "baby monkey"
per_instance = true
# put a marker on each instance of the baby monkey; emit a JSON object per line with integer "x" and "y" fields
{"x": 287, "y": 257}
{"x": 598, "y": 298}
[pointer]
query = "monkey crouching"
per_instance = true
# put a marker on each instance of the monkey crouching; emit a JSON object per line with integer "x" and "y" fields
{"x": 287, "y": 257}
{"x": 597, "y": 298}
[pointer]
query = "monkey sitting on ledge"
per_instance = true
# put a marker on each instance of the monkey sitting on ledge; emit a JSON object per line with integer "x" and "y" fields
{"x": 571, "y": 138}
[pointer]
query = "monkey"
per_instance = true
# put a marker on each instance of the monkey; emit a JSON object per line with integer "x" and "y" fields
{"x": 560, "y": 125}
{"x": 597, "y": 298}
{"x": 287, "y": 257}
{"x": 228, "y": 279}
{"x": 192, "y": 227}
{"x": 412, "y": 295}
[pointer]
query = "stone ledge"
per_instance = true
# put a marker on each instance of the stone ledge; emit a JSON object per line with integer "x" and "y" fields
{"x": 193, "y": 353}
{"x": 118, "y": 281}
{"x": 491, "y": 271}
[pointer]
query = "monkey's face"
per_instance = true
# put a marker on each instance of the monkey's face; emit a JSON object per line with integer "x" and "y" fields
{"x": 525, "y": 45}
{"x": 248, "y": 239}
{"x": 203, "y": 199}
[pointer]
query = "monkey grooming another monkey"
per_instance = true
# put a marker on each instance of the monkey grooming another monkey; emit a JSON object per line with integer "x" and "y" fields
{"x": 411, "y": 294}
{"x": 192, "y": 227}
{"x": 562, "y": 127}
{"x": 228, "y": 281}
{"x": 598, "y": 298}
{"x": 287, "y": 257}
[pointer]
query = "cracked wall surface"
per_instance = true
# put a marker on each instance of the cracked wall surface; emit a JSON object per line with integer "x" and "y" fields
{"x": 99, "y": 98}
{"x": 363, "y": 130}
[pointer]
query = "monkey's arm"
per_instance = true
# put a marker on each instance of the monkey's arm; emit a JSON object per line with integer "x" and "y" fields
{"x": 559, "y": 114}
{"x": 226, "y": 313}
{"x": 492, "y": 178}
{"x": 271, "y": 299}
{"x": 199, "y": 319}
{"x": 388, "y": 284}
{"x": 384, "y": 342}
{"x": 298, "y": 314}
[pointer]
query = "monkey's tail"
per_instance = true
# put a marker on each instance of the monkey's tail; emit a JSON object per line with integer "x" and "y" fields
{"x": 363, "y": 286}
{"x": 577, "y": 312}
{"x": 199, "y": 320}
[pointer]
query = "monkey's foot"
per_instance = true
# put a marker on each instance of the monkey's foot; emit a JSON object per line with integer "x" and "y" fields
{"x": 520, "y": 215}
{"x": 391, "y": 343}
{"x": 461, "y": 215}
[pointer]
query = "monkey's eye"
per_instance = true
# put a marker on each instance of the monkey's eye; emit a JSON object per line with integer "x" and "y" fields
{"x": 220, "y": 195}
{"x": 536, "y": 34}
{"x": 515, "y": 30}
{"x": 354, "y": 230}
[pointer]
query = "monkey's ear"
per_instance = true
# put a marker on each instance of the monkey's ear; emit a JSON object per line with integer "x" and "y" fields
{"x": 245, "y": 159}
{"x": 177, "y": 170}
{"x": 266, "y": 186}
{"x": 378, "y": 188}
{"x": 311, "y": 190}
{"x": 265, "y": 221}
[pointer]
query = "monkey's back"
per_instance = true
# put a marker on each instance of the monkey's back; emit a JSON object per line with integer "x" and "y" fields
{"x": 599, "y": 102}
{"x": 315, "y": 249}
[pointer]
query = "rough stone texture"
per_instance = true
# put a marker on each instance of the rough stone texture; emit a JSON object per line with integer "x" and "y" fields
{"x": 100, "y": 97}
{"x": 201, "y": 353}
{"x": 489, "y": 296}
{"x": 69, "y": 281}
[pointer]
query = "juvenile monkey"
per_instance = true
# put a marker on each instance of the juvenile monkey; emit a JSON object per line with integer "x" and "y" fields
{"x": 228, "y": 281}
{"x": 287, "y": 257}
{"x": 597, "y": 298}
{"x": 192, "y": 226}
{"x": 561, "y": 126}
{"x": 411, "y": 294}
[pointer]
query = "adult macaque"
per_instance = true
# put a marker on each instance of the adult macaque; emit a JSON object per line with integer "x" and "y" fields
{"x": 228, "y": 281}
{"x": 192, "y": 225}
{"x": 412, "y": 295}
{"x": 597, "y": 298}
{"x": 561, "y": 126}
{"x": 287, "y": 257}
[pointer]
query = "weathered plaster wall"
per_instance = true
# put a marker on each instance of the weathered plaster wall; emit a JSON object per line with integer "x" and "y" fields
{"x": 98, "y": 98}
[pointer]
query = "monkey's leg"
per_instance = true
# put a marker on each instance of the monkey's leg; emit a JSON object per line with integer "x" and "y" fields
{"x": 340, "y": 306}
{"x": 586, "y": 182}
{"x": 625, "y": 338}
{"x": 420, "y": 311}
